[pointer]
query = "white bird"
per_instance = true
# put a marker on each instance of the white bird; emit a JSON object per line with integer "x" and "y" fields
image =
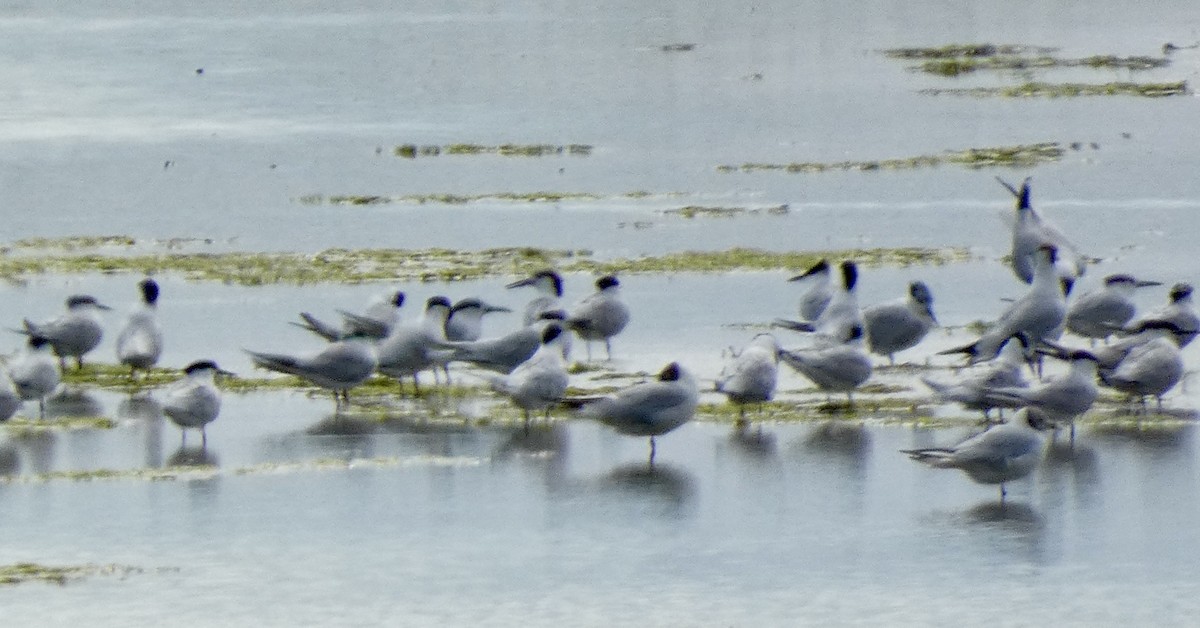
{"x": 1001, "y": 454}
{"x": 410, "y": 349}
{"x": 465, "y": 322}
{"x": 1178, "y": 310}
{"x": 505, "y": 353}
{"x": 601, "y": 315}
{"x": 540, "y": 382}
{"x": 833, "y": 366}
{"x": 35, "y": 372}
{"x": 1152, "y": 367}
{"x": 550, "y": 286}
{"x": 74, "y": 333}
{"x": 377, "y": 321}
{"x": 1005, "y": 370}
{"x": 1063, "y": 398}
{"x": 647, "y": 409}
{"x": 841, "y": 315}
{"x": 10, "y": 399}
{"x": 1031, "y": 232}
{"x": 340, "y": 366}
{"x": 1098, "y": 313}
{"x": 140, "y": 342}
{"x": 901, "y": 324}
{"x": 194, "y": 400}
{"x": 1040, "y": 313}
{"x": 752, "y": 375}
{"x": 816, "y": 298}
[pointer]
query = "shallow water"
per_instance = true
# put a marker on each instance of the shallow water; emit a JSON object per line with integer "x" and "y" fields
{"x": 301, "y": 518}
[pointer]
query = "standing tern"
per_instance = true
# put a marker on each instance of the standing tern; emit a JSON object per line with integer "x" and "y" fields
{"x": 410, "y": 349}
{"x": 1006, "y": 370}
{"x": 1001, "y": 454}
{"x": 505, "y": 353}
{"x": 339, "y": 367}
{"x": 752, "y": 375}
{"x": 1097, "y": 314}
{"x": 816, "y": 298}
{"x": 901, "y": 324}
{"x": 140, "y": 342}
{"x": 1180, "y": 311}
{"x": 1064, "y": 397}
{"x": 833, "y": 366}
{"x": 647, "y": 409}
{"x": 550, "y": 286}
{"x": 1152, "y": 367}
{"x": 377, "y": 321}
{"x": 601, "y": 315}
{"x": 194, "y": 400}
{"x": 841, "y": 315}
{"x": 1031, "y": 232}
{"x": 465, "y": 322}
{"x": 74, "y": 333}
{"x": 540, "y": 382}
{"x": 35, "y": 372}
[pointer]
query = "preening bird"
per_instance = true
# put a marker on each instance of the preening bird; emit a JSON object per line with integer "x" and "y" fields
{"x": 752, "y": 374}
{"x": 901, "y": 324}
{"x": 140, "y": 342}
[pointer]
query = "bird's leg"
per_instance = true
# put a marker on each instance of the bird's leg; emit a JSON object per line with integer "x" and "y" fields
{"x": 608, "y": 349}
{"x": 652, "y": 451}
{"x": 203, "y": 438}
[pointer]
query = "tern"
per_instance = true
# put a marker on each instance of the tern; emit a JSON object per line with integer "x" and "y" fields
{"x": 601, "y": 315}
{"x": 1062, "y": 398}
{"x": 1097, "y": 314}
{"x": 505, "y": 353}
{"x": 465, "y": 322}
{"x": 841, "y": 315}
{"x": 900, "y": 324}
{"x": 1040, "y": 313}
{"x": 194, "y": 400}
{"x": 10, "y": 399}
{"x": 1006, "y": 370}
{"x": 377, "y": 321}
{"x": 650, "y": 408}
{"x": 816, "y": 298}
{"x": 140, "y": 342}
{"x": 35, "y": 372}
{"x": 1031, "y": 232}
{"x": 752, "y": 375}
{"x": 410, "y": 349}
{"x": 550, "y": 286}
{"x": 540, "y": 382}
{"x": 74, "y": 333}
{"x": 339, "y": 367}
{"x": 833, "y": 366}
{"x": 1152, "y": 367}
{"x": 1180, "y": 311}
{"x": 1001, "y": 454}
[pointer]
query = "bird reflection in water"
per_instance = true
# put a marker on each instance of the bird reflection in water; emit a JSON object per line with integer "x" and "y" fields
{"x": 1016, "y": 515}
{"x": 10, "y": 460}
{"x": 841, "y": 438}
{"x": 538, "y": 440}
{"x": 74, "y": 402}
{"x": 669, "y": 485}
{"x": 146, "y": 414}
{"x": 753, "y": 441}
{"x": 200, "y": 456}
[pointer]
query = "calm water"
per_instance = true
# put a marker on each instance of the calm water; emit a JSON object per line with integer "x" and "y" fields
{"x": 442, "y": 522}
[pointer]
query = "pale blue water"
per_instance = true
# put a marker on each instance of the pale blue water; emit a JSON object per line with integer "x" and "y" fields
{"x": 462, "y": 524}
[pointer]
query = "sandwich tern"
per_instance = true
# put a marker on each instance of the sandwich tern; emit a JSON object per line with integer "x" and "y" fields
{"x": 410, "y": 349}
{"x": 1040, "y": 313}
{"x": 816, "y": 298}
{"x": 901, "y": 324}
{"x": 540, "y": 382}
{"x": 194, "y": 400}
{"x": 140, "y": 342}
{"x": 377, "y": 321}
{"x": 1062, "y": 398}
{"x": 339, "y": 367}
{"x": 74, "y": 333}
{"x": 601, "y": 315}
{"x": 752, "y": 375}
{"x": 1001, "y": 454}
{"x": 505, "y": 353}
{"x": 646, "y": 409}
{"x": 1097, "y": 314}
{"x": 1006, "y": 370}
{"x": 35, "y": 372}
{"x": 550, "y": 286}
{"x": 1152, "y": 367}
{"x": 841, "y": 315}
{"x": 1031, "y": 232}
{"x": 10, "y": 399}
{"x": 1180, "y": 311}
{"x": 833, "y": 366}
{"x": 465, "y": 322}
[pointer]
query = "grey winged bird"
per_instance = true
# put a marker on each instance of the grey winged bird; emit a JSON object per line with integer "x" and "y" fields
{"x": 820, "y": 291}
{"x": 601, "y": 315}
{"x": 841, "y": 315}
{"x": 465, "y": 321}
{"x": 35, "y": 372}
{"x": 140, "y": 341}
{"x": 339, "y": 367}
{"x": 549, "y": 285}
{"x": 1032, "y": 232}
{"x": 539, "y": 383}
{"x": 1151, "y": 367}
{"x": 74, "y": 333}
{"x": 1100, "y": 313}
{"x": 194, "y": 401}
{"x": 752, "y": 374}
{"x": 410, "y": 349}
{"x": 1180, "y": 311}
{"x": 1004, "y": 371}
{"x": 1062, "y": 398}
{"x": 1001, "y": 454}
{"x": 504, "y": 353}
{"x": 833, "y": 366}
{"x": 901, "y": 324}
{"x": 377, "y": 321}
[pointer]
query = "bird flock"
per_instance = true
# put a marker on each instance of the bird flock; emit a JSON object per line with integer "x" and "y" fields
{"x": 1098, "y": 334}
